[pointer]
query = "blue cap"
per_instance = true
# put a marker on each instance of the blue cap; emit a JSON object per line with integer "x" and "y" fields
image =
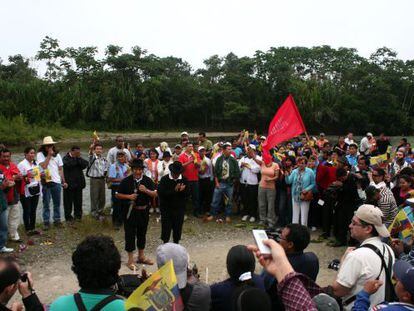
{"x": 404, "y": 272}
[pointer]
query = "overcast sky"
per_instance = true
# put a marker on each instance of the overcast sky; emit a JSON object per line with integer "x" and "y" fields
{"x": 197, "y": 29}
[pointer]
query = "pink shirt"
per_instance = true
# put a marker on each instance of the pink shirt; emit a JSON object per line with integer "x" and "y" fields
{"x": 268, "y": 172}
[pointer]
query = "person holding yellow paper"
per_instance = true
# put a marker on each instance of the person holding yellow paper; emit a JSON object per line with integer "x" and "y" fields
{"x": 30, "y": 198}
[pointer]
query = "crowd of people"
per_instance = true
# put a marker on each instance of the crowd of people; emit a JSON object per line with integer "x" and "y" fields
{"x": 351, "y": 191}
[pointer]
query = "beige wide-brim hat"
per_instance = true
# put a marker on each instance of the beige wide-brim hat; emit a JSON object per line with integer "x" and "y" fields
{"x": 48, "y": 140}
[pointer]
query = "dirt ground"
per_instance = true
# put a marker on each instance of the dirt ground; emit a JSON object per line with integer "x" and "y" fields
{"x": 207, "y": 245}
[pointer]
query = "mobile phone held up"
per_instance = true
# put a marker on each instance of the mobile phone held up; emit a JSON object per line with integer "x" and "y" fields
{"x": 259, "y": 237}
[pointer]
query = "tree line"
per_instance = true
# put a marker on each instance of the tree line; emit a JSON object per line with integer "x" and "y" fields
{"x": 336, "y": 90}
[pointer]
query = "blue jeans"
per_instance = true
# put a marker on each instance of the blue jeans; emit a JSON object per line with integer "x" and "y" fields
{"x": 226, "y": 190}
{"x": 51, "y": 190}
{"x": 3, "y": 228}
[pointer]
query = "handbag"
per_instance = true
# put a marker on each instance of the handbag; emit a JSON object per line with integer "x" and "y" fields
{"x": 35, "y": 190}
{"x": 306, "y": 196}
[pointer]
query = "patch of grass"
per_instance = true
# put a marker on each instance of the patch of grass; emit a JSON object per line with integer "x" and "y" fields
{"x": 16, "y": 130}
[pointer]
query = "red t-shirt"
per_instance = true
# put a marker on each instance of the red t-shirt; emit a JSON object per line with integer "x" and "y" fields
{"x": 190, "y": 171}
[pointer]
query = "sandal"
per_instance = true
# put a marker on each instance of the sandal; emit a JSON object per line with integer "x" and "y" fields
{"x": 132, "y": 267}
{"x": 145, "y": 261}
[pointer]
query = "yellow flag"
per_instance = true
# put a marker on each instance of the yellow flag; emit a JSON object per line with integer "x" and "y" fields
{"x": 159, "y": 292}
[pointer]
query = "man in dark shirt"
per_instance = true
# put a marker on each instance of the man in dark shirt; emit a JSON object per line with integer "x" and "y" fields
{"x": 382, "y": 144}
{"x": 348, "y": 201}
{"x": 294, "y": 239}
{"x": 138, "y": 189}
{"x": 171, "y": 191}
{"x": 73, "y": 166}
{"x": 12, "y": 280}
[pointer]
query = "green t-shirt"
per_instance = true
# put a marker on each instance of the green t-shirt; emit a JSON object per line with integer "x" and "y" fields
{"x": 64, "y": 303}
{"x": 207, "y": 144}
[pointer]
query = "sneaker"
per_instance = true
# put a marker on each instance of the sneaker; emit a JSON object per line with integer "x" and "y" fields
{"x": 252, "y": 219}
{"x": 157, "y": 210}
{"x": 244, "y": 218}
{"x": 313, "y": 229}
{"x": 151, "y": 210}
{"x": 5, "y": 249}
{"x": 210, "y": 218}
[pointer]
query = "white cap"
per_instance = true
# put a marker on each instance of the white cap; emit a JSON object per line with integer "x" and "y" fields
{"x": 201, "y": 148}
{"x": 178, "y": 254}
{"x": 369, "y": 134}
{"x": 373, "y": 216}
{"x": 251, "y": 146}
{"x": 184, "y": 133}
{"x": 263, "y": 137}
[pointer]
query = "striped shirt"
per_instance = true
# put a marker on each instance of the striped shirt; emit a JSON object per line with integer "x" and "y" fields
{"x": 98, "y": 166}
{"x": 386, "y": 203}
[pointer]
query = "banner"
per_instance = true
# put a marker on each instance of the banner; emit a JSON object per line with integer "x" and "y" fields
{"x": 286, "y": 124}
{"x": 158, "y": 292}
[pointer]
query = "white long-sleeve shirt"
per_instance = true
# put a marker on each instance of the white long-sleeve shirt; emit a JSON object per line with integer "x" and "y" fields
{"x": 249, "y": 173}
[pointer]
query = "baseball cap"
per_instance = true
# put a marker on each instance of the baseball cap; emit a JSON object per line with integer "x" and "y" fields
{"x": 184, "y": 133}
{"x": 325, "y": 302}
{"x": 180, "y": 258}
{"x": 227, "y": 144}
{"x": 263, "y": 137}
{"x": 370, "y": 134}
{"x": 177, "y": 146}
{"x": 251, "y": 146}
{"x": 201, "y": 148}
{"x": 373, "y": 216}
{"x": 322, "y": 134}
{"x": 404, "y": 272}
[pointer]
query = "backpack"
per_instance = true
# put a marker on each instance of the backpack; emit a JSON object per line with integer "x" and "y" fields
{"x": 99, "y": 306}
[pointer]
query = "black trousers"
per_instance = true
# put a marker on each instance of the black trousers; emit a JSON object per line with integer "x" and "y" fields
{"x": 327, "y": 217}
{"x": 136, "y": 229}
{"x": 29, "y": 205}
{"x": 172, "y": 219}
{"x": 249, "y": 199}
{"x": 72, "y": 200}
{"x": 206, "y": 193}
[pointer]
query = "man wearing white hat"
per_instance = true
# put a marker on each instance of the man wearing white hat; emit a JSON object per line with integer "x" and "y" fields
{"x": 51, "y": 162}
{"x": 373, "y": 259}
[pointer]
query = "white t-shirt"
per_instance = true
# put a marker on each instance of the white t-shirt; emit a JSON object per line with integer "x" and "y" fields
{"x": 206, "y": 162}
{"x": 163, "y": 168}
{"x": 361, "y": 265}
{"x": 52, "y": 168}
{"x": 249, "y": 173}
{"x": 111, "y": 157}
{"x": 33, "y": 169}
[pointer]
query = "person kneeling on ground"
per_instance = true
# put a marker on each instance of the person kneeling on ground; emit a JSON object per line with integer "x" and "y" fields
{"x": 195, "y": 294}
{"x": 240, "y": 267}
{"x": 404, "y": 289}
{"x": 12, "y": 280}
{"x": 96, "y": 263}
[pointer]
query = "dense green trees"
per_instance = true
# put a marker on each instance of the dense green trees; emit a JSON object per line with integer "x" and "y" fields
{"x": 336, "y": 89}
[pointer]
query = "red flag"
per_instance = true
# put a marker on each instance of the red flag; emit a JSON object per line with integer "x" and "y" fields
{"x": 287, "y": 123}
